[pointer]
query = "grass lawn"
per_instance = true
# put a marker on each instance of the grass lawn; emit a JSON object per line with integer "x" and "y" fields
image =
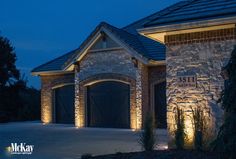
{"x": 160, "y": 154}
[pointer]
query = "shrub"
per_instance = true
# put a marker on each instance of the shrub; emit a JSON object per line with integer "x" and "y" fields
{"x": 199, "y": 127}
{"x": 180, "y": 126}
{"x": 226, "y": 138}
{"x": 148, "y": 137}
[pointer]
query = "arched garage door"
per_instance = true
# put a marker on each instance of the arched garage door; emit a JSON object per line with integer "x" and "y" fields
{"x": 108, "y": 105}
{"x": 64, "y": 104}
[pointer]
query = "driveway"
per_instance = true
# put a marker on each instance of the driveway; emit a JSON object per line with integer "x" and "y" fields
{"x": 65, "y": 141}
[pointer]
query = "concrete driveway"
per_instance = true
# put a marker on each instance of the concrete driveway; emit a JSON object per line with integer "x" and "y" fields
{"x": 65, "y": 141}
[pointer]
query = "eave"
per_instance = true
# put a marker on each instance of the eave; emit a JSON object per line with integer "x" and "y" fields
{"x": 158, "y": 33}
{"x": 46, "y": 73}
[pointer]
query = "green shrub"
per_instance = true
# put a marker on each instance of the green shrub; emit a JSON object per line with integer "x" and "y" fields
{"x": 148, "y": 137}
{"x": 226, "y": 138}
{"x": 180, "y": 126}
{"x": 199, "y": 127}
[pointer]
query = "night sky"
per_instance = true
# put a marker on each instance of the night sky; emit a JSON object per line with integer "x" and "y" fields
{"x": 41, "y": 30}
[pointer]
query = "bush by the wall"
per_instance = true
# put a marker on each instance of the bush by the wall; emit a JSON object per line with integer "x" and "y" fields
{"x": 180, "y": 129}
{"x": 199, "y": 127}
{"x": 148, "y": 137}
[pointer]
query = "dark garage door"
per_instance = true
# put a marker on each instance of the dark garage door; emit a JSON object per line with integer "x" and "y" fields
{"x": 160, "y": 105}
{"x": 108, "y": 105}
{"x": 64, "y": 104}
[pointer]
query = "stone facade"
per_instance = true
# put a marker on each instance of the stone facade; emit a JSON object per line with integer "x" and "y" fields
{"x": 113, "y": 61}
{"x": 107, "y": 65}
{"x": 203, "y": 59}
{"x": 48, "y": 83}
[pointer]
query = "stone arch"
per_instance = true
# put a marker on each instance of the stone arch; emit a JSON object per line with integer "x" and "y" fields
{"x": 81, "y": 93}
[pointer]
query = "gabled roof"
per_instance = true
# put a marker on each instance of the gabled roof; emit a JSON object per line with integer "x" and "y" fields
{"x": 183, "y": 11}
{"x": 127, "y": 39}
{"x": 144, "y": 47}
{"x": 195, "y": 10}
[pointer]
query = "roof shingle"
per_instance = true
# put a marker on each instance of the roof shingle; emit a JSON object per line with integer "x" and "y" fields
{"x": 194, "y": 10}
{"x": 55, "y": 64}
{"x": 183, "y": 11}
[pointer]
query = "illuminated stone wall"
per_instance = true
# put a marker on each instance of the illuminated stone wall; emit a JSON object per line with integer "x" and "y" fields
{"x": 105, "y": 65}
{"x": 114, "y": 61}
{"x": 142, "y": 94}
{"x": 48, "y": 82}
{"x": 139, "y": 94}
{"x": 204, "y": 59}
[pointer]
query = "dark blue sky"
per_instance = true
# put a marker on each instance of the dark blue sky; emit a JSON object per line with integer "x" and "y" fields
{"x": 41, "y": 30}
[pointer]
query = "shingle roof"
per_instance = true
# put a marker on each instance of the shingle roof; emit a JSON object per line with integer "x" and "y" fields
{"x": 55, "y": 64}
{"x": 132, "y": 28}
{"x": 194, "y": 10}
{"x": 183, "y": 11}
{"x": 144, "y": 46}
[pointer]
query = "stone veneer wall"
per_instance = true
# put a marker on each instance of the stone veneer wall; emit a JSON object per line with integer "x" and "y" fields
{"x": 48, "y": 82}
{"x": 105, "y": 65}
{"x": 110, "y": 65}
{"x": 205, "y": 59}
{"x": 142, "y": 94}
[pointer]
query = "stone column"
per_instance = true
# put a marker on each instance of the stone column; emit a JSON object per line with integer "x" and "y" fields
{"x": 46, "y": 101}
{"x": 139, "y": 96}
{"x": 79, "y": 110}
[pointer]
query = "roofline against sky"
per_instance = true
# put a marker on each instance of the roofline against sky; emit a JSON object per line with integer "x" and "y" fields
{"x": 45, "y": 73}
{"x": 187, "y": 25}
{"x": 84, "y": 51}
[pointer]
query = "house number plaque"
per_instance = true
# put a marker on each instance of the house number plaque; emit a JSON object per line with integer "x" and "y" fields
{"x": 187, "y": 81}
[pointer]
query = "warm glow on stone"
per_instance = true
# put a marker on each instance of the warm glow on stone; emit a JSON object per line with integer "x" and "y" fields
{"x": 79, "y": 114}
{"x": 189, "y": 130}
{"x": 46, "y": 115}
{"x": 138, "y": 99}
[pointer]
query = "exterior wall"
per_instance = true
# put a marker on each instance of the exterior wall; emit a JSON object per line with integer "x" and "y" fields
{"x": 142, "y": 94}
{"x": 113, "y": 61}
{"x": 204, "y": 58}
{"x": 98, "y": 66}
{"x": 110, "y": 65}
{"x": 48, "y": 83}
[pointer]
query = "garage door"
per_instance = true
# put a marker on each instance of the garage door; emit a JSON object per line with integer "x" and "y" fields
{"x": 160, "y": 105}
{"x": 108, "y": 105}
{"x": 64, "y": 104}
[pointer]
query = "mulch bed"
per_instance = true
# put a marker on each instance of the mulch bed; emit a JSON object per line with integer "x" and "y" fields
{"x": 164, "y": 154}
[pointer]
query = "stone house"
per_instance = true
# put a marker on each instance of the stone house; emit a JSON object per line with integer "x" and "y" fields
{"x": 170, "y": 59}
{"x": 106, "y": 82}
